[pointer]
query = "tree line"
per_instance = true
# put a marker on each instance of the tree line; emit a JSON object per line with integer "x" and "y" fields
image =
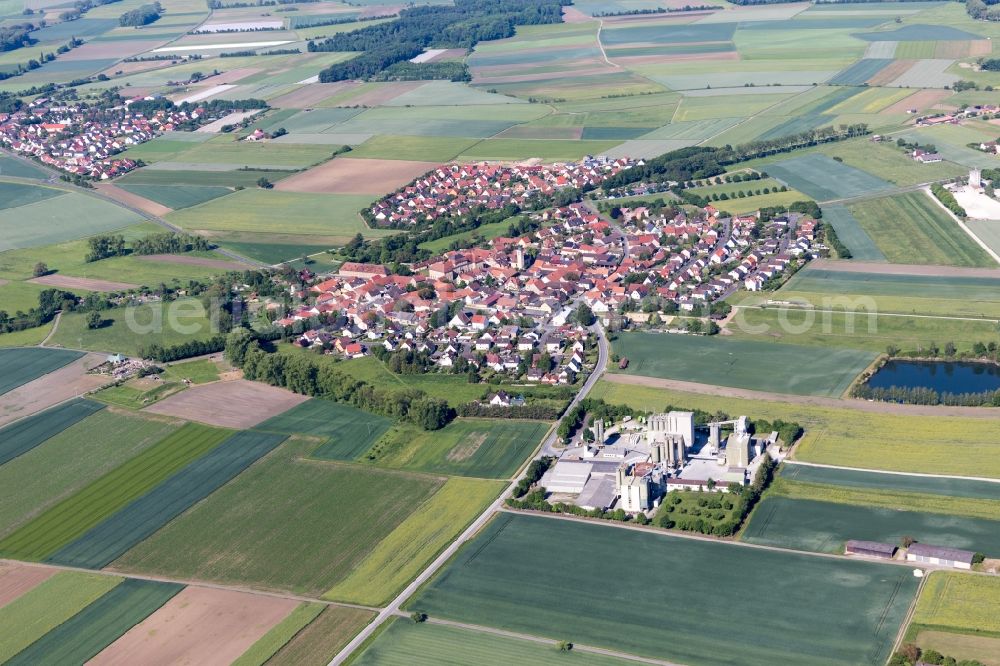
{"x": 319, "y": 377}
{"x": 699, "y": 162}
{"x": 461, "y": 25}
{"x": 405, "y": 248}
{"x": 948, "y": 199}
{"x": 163, "y": 354}
{"x": 105, "y": 246}
{"x": 140, "y": 16}
{"x": 919, "y": 395}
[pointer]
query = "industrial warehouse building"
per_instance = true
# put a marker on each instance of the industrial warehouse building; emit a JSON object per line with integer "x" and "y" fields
{"x": 883, "y": 551}
{"x": 946, "y": 557}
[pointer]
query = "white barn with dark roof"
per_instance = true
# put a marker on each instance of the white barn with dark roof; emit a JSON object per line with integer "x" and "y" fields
{"x": 946, "y": 557}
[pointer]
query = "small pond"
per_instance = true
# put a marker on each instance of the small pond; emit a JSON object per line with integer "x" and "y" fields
{"x": 942, "y": 376}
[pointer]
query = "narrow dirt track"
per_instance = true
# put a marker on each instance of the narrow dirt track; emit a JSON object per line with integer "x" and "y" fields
{"x": 815, "y": 401}
{"x": 902, "y": 269}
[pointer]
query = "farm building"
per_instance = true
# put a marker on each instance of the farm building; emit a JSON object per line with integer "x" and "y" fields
{"x": 948, "y": 557}
{"x": 884, "y": 551}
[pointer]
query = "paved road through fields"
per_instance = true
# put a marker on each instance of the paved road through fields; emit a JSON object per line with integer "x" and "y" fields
{"x": 394, "y": 608}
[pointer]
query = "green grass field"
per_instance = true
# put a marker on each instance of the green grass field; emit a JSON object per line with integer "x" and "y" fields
{"x": 741, "y": 364}
{"x": 453, "y": 388}
{"x": 851, "y": 234}
{"x": 484, "y": 448}
{"x": 20, "y": 366}
{"x": 69, "y": 258}
{"x": 778, "y": 326}
{"x": 912, "y": 229}
{"x": 343, "y": 432}
{"x": 42, "y": 609}
{"x": 201, "y": 371}
{"x": 134, "y": 393}
{"x": 279, "y": 635}
{"x": 415, "y": 542}
{"x": 177, "y": 196}
{"x": 824, "y": 179}
{"x": 256, "y": 210}
{"x": 890, "y": 497}
{"x": 887, "y": 161}
{"x": 318, "y": 643}
{"x": 72, "y": 459}
{"x": 869, "y": 480}
{"x": 98, "y": 625}
{"x": 13, "y": 195}
{"x": 428, "y": 148}
{"x": 820, "y": 526}
{"x": 29, "y": 337}
{"x": 10, "y": 166}
{"x": 957, "y": 296}
{"x": 530, "y": 574}
{"x": 327, "y": 517}
{"x": 176, "y": 177}
{"x": 25, "y": 434}
{"x": 848, "y": 437}
{"x": 404, "y": 643}
{"x": 74, "y": 516}
{"x": 135, "y": 327}
{"x": 58, "y": 219}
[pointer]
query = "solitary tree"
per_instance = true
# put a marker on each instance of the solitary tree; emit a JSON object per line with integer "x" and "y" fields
{"x": 94, "y": 320}
{"x": 40, "y": 269}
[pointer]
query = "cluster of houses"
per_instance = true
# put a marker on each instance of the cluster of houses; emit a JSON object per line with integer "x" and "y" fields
{"x": 455, "y": 190}
{"x": 510, "y": 306}
{"x": 83, "y": 140}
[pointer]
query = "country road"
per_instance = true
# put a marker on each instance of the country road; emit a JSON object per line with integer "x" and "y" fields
{"x": 470, "y": 532}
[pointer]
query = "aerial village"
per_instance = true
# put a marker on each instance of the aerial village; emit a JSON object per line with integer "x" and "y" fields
{"x": 83, "y": 140}
{"x": 512, "y": 306}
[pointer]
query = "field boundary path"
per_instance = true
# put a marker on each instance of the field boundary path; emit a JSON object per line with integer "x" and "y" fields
{"x": 52, "y": 331}
{"x": 577, "y": 647}
{"x": 815, "y": 401}
{"x": 896, "y": 473}
{"x": 805, "y": 307}
{"x": 190, "y": 583}
{"x": 885, "y": 268}
{"x": 394, "y": 607}
{"x": 961, "y": 225}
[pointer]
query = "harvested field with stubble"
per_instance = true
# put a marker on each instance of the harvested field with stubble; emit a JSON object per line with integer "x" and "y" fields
{"x": 63, "y": 384}
{"x": 99, "y": 624}
{"x": 133, "y": 200}
{"x": 79, "y": 283}
{"x": 201, "y": 626}
{"x": 356, "y": 176}
{"x": 20, "y": 366}
{"x": 18, "y": 579}
{"x": 185, "y": 260}
{"x": 238, "y": 404}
